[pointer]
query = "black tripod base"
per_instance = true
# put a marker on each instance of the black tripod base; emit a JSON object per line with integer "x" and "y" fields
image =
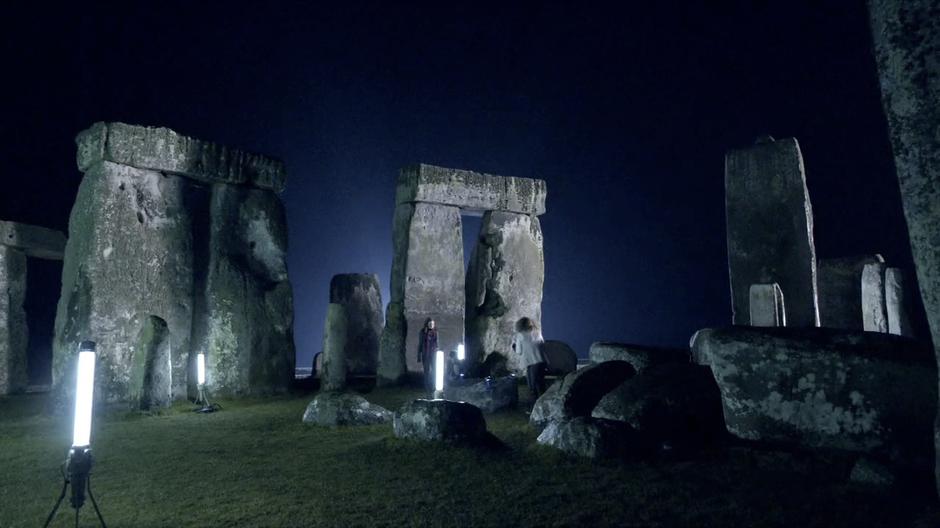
{"x": 78, "y": 475}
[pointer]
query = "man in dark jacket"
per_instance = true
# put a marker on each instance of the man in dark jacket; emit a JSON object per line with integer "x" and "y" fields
{"x": 427, "y": 348}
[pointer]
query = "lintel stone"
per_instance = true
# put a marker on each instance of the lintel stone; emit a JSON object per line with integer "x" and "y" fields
{"x": 470, "y": 191}
{"x": 34, "y": 241}
{"x": 161, "y": 149}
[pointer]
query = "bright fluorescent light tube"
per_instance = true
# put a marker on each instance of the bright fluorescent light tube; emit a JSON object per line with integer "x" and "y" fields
{"x": 201, "y": 368}
{"x": 84, "y": 395}
{"x": 439, "y": 371}
{"x": 461, "y": 355}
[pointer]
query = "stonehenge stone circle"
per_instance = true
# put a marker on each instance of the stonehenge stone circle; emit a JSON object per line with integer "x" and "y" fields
{"x": 896, "y": 303}
{"x": 906, "y": 38}
{"x": 428, "y": 277}
{"x": 360, "y": 294}
{"x": 874, "y": 314}
{"x": 170, "y": 230}
{"x": 840, "y": 291}
{"x": 335, "y": 337}
{"x": 770, "y": 228}
{"x": 392, "y": 368}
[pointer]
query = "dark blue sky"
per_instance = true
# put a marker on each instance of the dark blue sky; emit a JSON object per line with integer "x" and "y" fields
{"x": 625, "y": 111}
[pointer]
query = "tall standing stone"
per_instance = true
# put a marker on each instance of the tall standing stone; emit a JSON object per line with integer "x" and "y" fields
{"x": 504, "y": 283}
{"x": 874, "y": 314}
{"x": 896, "y": 303}
{"x": 174, "y": 229}
{"x": 14, "y": 332}
{"x": 770, "y": 228}
{"x": 428, "y": 273}
{"x": 333, "y": 377}
{"x": 907, "y": 50}
{"x": 840, "y": 291}
{"x": 392, "y": 368}
{"x": 766, "y": 305}
{"x": 360, "y": 294}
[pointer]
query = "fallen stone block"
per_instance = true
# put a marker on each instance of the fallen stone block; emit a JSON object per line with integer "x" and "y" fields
{"x": 639, "y": 356}
{"x": 578, "y": 393}
{"x": 341, "y": 408}
{"x": 595, "y": 438}
{"x": 440, "y": 421}
{"x": 490, "y": 395}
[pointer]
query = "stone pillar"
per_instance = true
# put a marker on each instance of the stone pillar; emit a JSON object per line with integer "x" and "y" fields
{"x": 392, "y": 368}
{"x": 840, "y": 291}
{"x": 504, "y": 283}
{"x": 333, "y": 377}
{"x": 896, "y": 303}
{"x": 770, "y": 228}
{"x": 428, "y": 273}
{"x": 14, "y": 333}
{"x": 907, "y": 44}
{"x": 874, "y": 314}
{"x": 766, "y": 305}
{"x": 360, "y": 294}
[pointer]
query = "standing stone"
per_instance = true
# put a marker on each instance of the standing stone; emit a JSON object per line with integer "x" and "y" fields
{"x": 874, "y": 313}
{"x": 766, "y": 305}
{"x": 392, "y": 368}
{"x": 335, "y": 334}
{"x": 504, "y": 284}
{"x": 359, "y": 293}
{"x": 428, "y": 274}
{"x": 151, "y": 381}
{"x": 770, "y": 228}
{"x": 14, "y": 333}
{"x": 907, "y": 50}
{"x": 840, "y": 291}
{"x": 896, "y": 303}
{"x": 183, "y": 231}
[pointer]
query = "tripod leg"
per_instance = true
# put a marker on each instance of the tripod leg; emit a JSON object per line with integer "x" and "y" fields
{"x": 95, "y": 504}
{"x": 57, "y": 504}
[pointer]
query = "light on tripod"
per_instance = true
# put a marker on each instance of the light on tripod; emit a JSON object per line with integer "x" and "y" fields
{"x": 201, "y": 368}
{"x": 84, "y": 395}
{"x": 439, "y": 373}
{"x": 461, "y": 354}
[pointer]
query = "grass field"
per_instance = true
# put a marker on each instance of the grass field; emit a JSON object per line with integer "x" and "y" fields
{"x": 255, "y": 464}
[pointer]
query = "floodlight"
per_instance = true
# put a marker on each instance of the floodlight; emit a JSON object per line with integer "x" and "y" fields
{"x": 201, "y": 368}
{"x": 461, "y": 354}
{"x": 201, "y": 398}
{"x": 78, "y": 464}
{"x": 439, "y": 372}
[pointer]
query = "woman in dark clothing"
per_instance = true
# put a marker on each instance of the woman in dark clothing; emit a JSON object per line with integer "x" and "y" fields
{"x": 427, "y": 348}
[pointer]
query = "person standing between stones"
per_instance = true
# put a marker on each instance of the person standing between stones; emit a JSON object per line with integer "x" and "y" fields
{"x": 427, "y": 348}
{"x": 527, "y": 343}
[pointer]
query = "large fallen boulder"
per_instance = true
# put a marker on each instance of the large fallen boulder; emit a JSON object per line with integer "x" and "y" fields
{"x": 823, "y": 388}
{"x": 639, "y": 356}
{"x": 595, "y": 438}
{"x": 675, "y": 404}
{"x": 343, "y": 408}
{"x": 577, "y": 393}
{"x": 560, "y": 359}
{"x": 490, "y": 395}
{"x": 441, "y": 421}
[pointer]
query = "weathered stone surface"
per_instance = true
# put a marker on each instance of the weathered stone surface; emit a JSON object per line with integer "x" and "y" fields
{"x": 897, "y": 303}
{"x": 489, "y": 395}
{"x": 874, "y": 313}
{"x": 209, "y": 261}
{"x": 770, "y": 228}
{"x": 560, "y": 358}
{"x": 595, "y": 438}
{"x": 333, "y": 377}
{"x": 469, "y": 190}
{"x": 906, "y": 42}
{"x": 34, "y": 241}
{"x": 129, "y": 256}
{"x": 766, "y": 306}
{"x": 151, "y": 382}
{"x": 360, "y": 294}
{"x": 428, "y": 274}
{"x": 578, "y": 393}
{"x": 678, "y": 404}
{"x": 440, "y": 421}
{"x": 504, "y": 283}
{"x": 871, "y": 473}
{"x": 246, "y": 322}
{"x": 14, "y": 332}
{"x": 840, "y": 291}
{"x": 824, "y": 388}
{"x": 392, "y": 368}
{"x": 163, "y": 150}
{"x": 341, "y": 408}
{"x": 639, "y": 356}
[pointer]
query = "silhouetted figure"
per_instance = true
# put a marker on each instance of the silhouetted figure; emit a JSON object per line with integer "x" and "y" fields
{"x": 527, "y": 344}
{"x": 427, "y": 347}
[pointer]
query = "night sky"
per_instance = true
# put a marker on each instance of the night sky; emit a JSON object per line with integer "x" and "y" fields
{"x": 626, "y": 112}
